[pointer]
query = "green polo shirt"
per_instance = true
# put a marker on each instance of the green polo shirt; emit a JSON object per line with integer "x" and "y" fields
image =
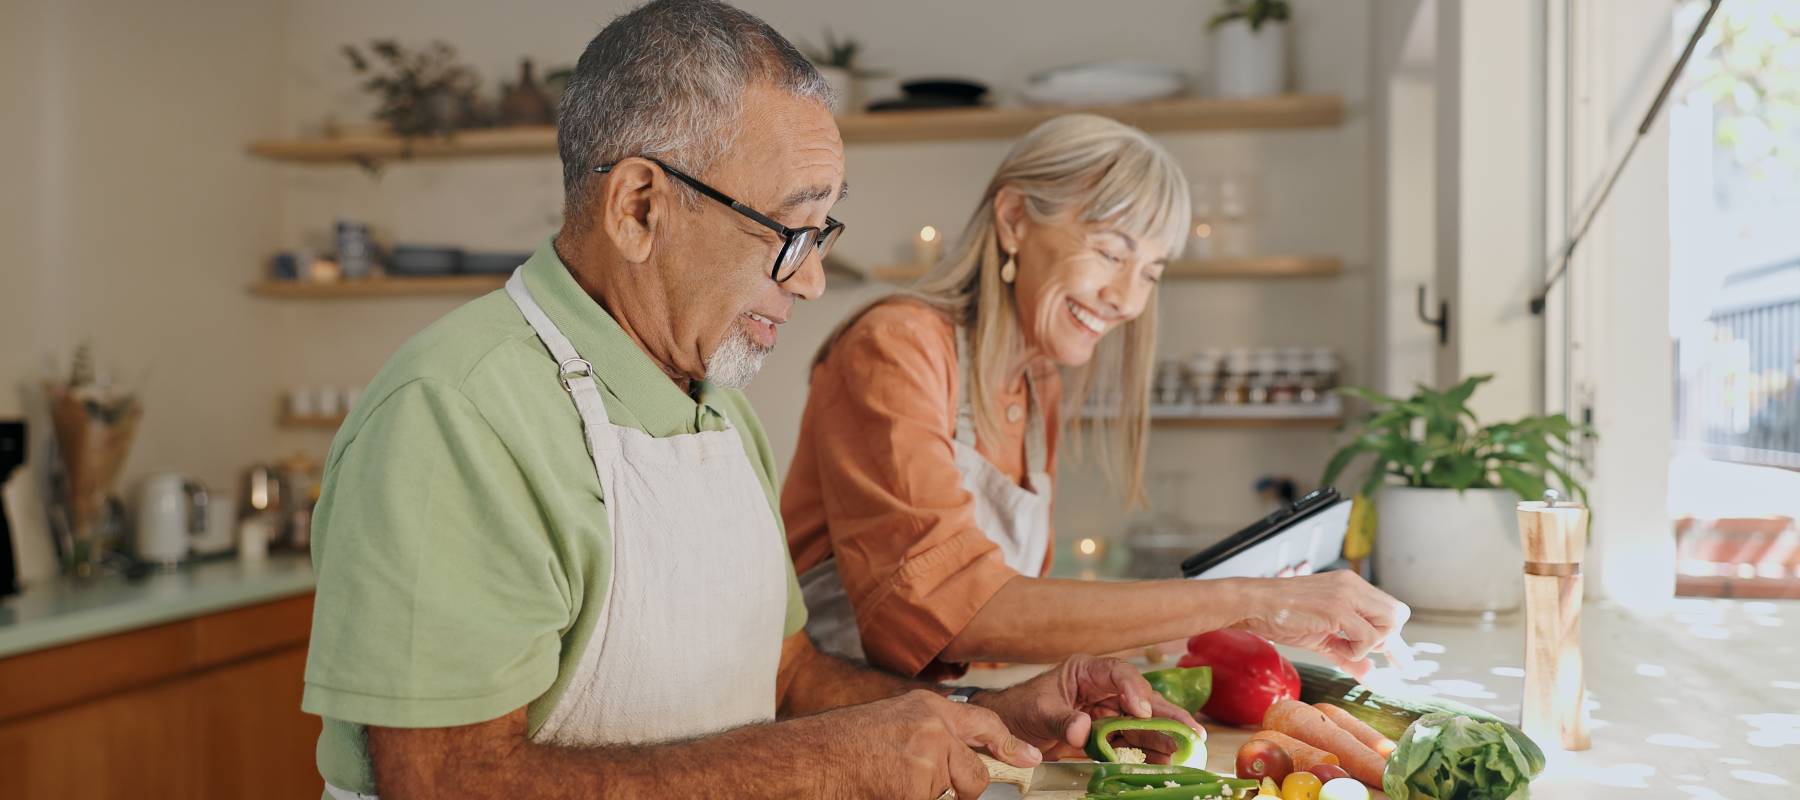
{"x": 461, "y": 543}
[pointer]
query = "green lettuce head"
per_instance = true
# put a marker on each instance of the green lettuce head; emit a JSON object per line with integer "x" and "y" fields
{"x": 1450, "y": 757}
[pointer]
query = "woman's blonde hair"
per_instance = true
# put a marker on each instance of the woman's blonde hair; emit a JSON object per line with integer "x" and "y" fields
{"x": 1111, "y": 174}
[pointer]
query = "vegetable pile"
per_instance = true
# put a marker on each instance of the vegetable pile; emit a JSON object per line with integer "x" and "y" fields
{"x": 1321, "y": 735}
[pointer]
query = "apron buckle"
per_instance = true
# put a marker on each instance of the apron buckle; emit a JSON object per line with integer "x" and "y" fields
{"x": 572, "y": 369}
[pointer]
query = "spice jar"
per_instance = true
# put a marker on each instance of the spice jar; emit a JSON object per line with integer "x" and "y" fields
{"x": 1235, "y": 387}
{"x": 1166, "y": 389}
{"x": 1325, "y": 364}
{"x": 1203, "y": 377}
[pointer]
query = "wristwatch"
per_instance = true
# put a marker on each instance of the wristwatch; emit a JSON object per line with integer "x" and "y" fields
{"x": 962, "y": 694}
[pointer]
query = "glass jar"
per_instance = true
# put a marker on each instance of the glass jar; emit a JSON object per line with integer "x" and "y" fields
{"x": 1240, "y": 370}
{"x": 1203, "y": 377}
{"x": 1325, "y": 366}
{"x": 1165, "y": 390}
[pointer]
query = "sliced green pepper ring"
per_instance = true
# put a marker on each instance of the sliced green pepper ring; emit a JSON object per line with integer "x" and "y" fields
{"x": 1187, "y": 687}
{"x": 1190, "y": 751}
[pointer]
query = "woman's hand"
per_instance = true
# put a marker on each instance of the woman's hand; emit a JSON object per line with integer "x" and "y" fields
{"x": 1055, "y": 711}
{"x": 1336, "y": 614}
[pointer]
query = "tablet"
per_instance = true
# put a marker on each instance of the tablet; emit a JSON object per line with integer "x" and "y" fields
{"x": 1299, "y": 539}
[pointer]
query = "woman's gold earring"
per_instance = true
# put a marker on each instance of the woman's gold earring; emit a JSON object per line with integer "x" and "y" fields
{"x": 1010, "y": 270}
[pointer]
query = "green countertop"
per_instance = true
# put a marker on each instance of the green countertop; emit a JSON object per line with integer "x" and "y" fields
{"x": 61, "y": 611}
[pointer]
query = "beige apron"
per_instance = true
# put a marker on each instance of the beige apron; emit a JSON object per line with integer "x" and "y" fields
{"x": 696, "y": 564}
{"x": 1015, "y": 518}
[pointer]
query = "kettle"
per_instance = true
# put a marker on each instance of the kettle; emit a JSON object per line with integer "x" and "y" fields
{"x": 171, "y": 512}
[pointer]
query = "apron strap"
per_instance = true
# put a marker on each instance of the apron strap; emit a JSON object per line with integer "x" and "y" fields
{"x": 1035, "y": 440}
{"x": 576, "y": 374}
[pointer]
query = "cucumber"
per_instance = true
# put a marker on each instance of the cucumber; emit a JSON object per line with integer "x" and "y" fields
{"x": 1390, "y": 716}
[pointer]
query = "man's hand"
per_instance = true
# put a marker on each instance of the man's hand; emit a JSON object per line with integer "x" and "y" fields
{"x": 1055, "y": 711}
{"x": 1336, "y": 614}
{"x": 910, "y": 747}
{"x": 918, "y": 745}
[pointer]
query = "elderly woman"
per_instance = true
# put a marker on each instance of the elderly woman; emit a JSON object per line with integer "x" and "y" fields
{"x": 918, "y": 504}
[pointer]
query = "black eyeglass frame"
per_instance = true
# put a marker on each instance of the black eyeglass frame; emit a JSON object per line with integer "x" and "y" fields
{"x": 793, "y": 240}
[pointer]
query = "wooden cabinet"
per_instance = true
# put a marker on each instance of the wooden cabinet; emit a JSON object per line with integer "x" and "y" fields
{"x": 202, "y": 708}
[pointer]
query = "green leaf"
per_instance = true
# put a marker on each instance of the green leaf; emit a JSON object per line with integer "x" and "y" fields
{"x": 1460, "y": 395}
{"x": 1341, "y": 459}
{"x": 1523, "y": 484}
{"x": 1457, "y": 473}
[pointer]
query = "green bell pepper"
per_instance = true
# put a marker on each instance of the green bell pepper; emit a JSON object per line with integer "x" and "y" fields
{"x": 1197, "y": 791}
{"x": 1188, "y": 744}
{"x": 1187, "y": 687}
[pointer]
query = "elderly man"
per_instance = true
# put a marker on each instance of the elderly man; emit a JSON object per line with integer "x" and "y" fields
{"x": 549, "y": 557}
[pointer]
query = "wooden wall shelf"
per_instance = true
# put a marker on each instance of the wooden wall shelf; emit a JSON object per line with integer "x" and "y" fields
{"x": 313, "y": 421}
{"x": 1183, "y": 114}
{"x": 1246, "y": 422}
{"x": 1219, "y": 269}
{"x": 464, "y": 285}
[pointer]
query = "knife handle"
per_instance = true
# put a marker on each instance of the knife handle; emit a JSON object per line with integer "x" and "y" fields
{"x": 999, "y": 772}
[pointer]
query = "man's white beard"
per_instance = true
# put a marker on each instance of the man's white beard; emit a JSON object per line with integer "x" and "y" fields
{"x": 736, "y": 360}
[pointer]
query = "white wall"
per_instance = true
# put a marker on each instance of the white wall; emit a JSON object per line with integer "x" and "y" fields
{"x": 1621, "y": 356}
{"x": 1405, "y": 88}
{"x": 132, "y": 219}
{"x": 1314, "y": 192}
{"x": 1489, "y": 200}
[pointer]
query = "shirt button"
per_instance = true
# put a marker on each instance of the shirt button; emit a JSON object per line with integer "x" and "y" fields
{"x": 1014, "y": 413}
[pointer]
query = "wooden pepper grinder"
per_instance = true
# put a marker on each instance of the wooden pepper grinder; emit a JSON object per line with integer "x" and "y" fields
{"x": 1555, "y": 538}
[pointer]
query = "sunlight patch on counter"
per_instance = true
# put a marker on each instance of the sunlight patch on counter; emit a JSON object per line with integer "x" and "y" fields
{"x": 1753, "y": 776}
{"x": 1681, "y": 740}
{"x": 1773, "y": 730}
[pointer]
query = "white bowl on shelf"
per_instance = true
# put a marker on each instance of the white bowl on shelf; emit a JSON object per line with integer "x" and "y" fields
{"x": 1104, "y": 83}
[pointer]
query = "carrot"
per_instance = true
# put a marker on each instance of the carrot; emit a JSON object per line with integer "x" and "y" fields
{"x": 1311, "y": 726}
{"x": 1382, "y": 745}
{"x": 1305, "y": 755}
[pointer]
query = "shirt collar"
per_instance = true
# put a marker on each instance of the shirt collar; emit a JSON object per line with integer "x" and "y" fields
{"x": 652, "y": 402}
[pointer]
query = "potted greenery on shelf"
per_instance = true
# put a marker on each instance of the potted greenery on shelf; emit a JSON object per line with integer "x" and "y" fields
{"x": 422, "y": 92}
{"x": 1446, "y": 487}
{"x": 837, "y": 63}
{"x": 1250, "y": 47}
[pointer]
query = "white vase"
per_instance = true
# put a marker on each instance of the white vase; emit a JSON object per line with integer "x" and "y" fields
{"x": 843, "y": 85}
{"x": 1250, "y": 63}
{"x": 1449, "y": 552}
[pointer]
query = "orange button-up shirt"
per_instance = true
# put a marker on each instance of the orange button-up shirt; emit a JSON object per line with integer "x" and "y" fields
{"x": 874, "y": 484}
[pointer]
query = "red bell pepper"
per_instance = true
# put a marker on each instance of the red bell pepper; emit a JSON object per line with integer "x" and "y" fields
{"x": 1248, "y": 675}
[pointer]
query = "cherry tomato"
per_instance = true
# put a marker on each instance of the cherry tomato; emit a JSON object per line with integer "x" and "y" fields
{"x": 1301, "y": 786}
{"x": 1328, "y": 772}
{"x": 1260, "y": 759}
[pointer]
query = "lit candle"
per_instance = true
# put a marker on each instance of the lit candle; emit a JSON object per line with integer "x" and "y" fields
{"x": 1090, "y": 553}
{"x": 928, "y": 246}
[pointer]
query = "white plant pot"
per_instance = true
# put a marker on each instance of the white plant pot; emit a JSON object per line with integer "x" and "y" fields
{"x": 1250, "y": 63}
{"x": 1449, "y": 552}
{"x": 843, "y": 85}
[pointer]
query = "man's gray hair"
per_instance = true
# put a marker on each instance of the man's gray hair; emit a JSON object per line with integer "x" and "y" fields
{"x": 667, "y": 80}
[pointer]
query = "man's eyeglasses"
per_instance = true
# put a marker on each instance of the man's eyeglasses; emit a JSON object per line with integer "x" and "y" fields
{"x": 795, "y": 242}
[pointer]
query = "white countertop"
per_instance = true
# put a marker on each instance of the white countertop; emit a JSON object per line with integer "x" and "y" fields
{"x": 62, "y": 611}
{"x": 1701, "y": 700}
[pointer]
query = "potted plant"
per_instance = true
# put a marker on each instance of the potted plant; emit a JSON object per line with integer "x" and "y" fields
{"x": 422, "y": 92}
{"x": 1250, "y": 47}
{"x": 1446, "y": 488}
{"x": 837, "y": 63}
